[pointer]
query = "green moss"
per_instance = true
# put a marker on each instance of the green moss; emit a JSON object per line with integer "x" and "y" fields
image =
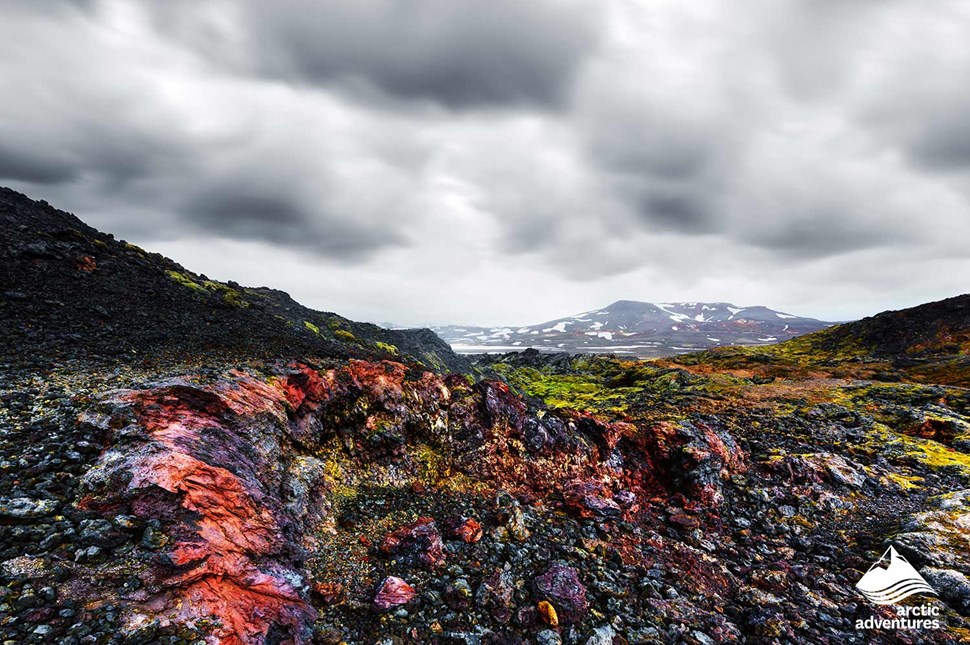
{"x": 309, "y": 325}
{"x": 579, "y": 392}
{"x": 934, "y": 454}
{"x": 387, "y": 348}
{"x": 344, "y": 335}
{"x": 925, "y": 451}
{"x": 906, "y": 482}
{"x": 184, "y": 280}
{"x": 340, "y": 486}
{"x": 430, "y": 464}
{"x": 230, "y": 295}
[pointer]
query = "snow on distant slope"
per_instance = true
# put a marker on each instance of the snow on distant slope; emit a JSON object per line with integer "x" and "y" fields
{"x": 640, "y": 328}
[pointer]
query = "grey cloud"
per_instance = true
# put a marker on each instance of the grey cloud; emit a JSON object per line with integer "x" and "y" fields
{"x": 652, "y": 144}
{"x": 945, "y": 147}
{"x": 248, "y": 213}
{"x": 19, "y": 165}
{"x": 681, "y": 212}
{"x": 915, "y": 95}
{"x": 813, "y": 44}
{"x": 817, "y": 235}
{"x": 936, "y": 137}
{"x": 474, "y": 53}
{"x": 667, "y": 168}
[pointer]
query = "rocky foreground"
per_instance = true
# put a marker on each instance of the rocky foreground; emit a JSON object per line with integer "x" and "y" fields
{"x": 189, "y": 461}
{"x": 368, "y": 502}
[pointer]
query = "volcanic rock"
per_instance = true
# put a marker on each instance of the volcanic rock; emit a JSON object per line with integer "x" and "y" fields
{"x": 393, "y": 592}
{"x": 418, "y": 542}
{"x": 561, "y": 586}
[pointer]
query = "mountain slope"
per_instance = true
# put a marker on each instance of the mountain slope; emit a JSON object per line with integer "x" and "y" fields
{"x": 139, "y": 305}
{"x": 932, "y": 329}
{"x": 929, "y": 343}
{"x": 639, "y": 328}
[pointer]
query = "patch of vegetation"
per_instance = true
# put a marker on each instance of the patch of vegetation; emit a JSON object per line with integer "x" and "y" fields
{"x": 387, "y": 348}
{"x": 344, "y": 335}
{"x": 309, "y": 325}
{"x": 229, "y": 295}
{"x": 184, "y": 280}
{"x": 933, "y": 453}
{"x": 575, "y": 391}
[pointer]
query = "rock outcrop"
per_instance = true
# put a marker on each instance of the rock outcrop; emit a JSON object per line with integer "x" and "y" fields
{"x": 229, "y": 471}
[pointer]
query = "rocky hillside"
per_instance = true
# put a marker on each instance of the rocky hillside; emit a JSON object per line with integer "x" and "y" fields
{"x": 639, "y": 329}
{"x": 928, "y": 344}
{"x": 69, "y": 291}
{"x": 210, "y": 485}
{"x": 934, "y": 329}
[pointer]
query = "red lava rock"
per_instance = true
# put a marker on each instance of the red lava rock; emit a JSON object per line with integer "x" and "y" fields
{"x": 561, "y": 586}
{"x": 392, "y": 593}
{"x": 697, "y": 456}
{"x": 331, "y": 593}
{"x": 470, "y": 531}
{"x": 228, "y": 557}
{"x": 416, "y": 542}
{"x": 86, "y": 264}
{"x": 590, "y": 500}
{"x": 686, "y": 521}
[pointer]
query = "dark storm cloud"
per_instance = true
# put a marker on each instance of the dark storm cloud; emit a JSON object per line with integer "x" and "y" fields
{"x": 680, "y": 212}
{"x": 473, "y": 53}
{"x": 267, "y": 216}
{"x": 19, "y": 165}
{"x": 819, "y": 235}
{"x": 937, "y": 137}
{"x": 666, "y": 166}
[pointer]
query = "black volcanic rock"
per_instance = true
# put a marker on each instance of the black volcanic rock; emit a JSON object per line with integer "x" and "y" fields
{"x": 138, "y": 305}
{"x": 935, "y": 328}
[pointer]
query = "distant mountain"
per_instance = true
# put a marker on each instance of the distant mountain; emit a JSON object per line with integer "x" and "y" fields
{"x": 640, "y": 329}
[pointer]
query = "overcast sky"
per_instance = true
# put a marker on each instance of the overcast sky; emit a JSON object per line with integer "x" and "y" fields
{"x": 509, "y": 161}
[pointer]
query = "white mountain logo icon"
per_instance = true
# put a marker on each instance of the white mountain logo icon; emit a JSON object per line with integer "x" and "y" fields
{"x": 891, "y": 579}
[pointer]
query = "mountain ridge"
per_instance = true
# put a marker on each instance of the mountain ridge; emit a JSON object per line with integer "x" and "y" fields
{"x": 638, "y": 328}
{"x": 143, "y": 305}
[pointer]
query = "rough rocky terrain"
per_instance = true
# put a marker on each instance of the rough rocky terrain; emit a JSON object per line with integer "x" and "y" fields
{"x": 246, "y": 484}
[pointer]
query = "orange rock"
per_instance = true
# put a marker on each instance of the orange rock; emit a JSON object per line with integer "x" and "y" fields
{"x": 548, "y": 613}
{"x": 86, "y": 264}
{"x": 470, "y": 531}
{"x": 331, "y": 593}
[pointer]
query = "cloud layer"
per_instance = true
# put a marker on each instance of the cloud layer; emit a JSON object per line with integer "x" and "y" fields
{"x": 506, "y": 161}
